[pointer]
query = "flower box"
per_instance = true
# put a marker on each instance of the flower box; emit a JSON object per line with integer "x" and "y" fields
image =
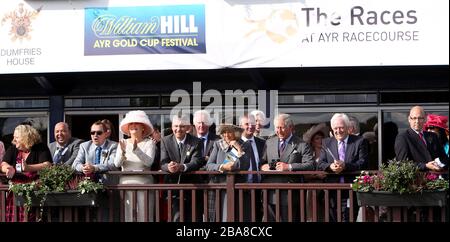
{"x": 65, "y": 199}
{"x": 390, "y": 199}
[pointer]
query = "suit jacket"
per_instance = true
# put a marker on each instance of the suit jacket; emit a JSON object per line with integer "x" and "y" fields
{"x": 260, "y": 144}
{"x": 212, "y": 138}
{"x": 190, "y": 156}
{"x": 218, "y": 156}
{"x": 297, "y": 153}
{"x": 70, "y": 152}
{"x": 209, "y": 147}
{"x": 408, "y": 146}
{"x": 86, "y": 154}
{"x": 356, "y": 156}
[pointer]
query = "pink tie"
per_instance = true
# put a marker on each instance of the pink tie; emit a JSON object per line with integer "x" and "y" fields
{"x": 421, "y": 138}
{"x": 341, "y": 150}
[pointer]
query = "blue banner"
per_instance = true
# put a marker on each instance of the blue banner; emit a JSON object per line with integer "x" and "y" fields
{"x": 174, "y": 29}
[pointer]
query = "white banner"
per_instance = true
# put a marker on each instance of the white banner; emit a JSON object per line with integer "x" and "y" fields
{"x": 72, "y": 36}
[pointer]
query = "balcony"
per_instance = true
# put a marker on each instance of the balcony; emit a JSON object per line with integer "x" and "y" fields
{"x": 310, "y": 201}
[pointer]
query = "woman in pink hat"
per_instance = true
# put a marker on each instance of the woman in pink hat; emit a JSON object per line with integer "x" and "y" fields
{"x": 137, "y": 153}
{"x": 439, "y": 125}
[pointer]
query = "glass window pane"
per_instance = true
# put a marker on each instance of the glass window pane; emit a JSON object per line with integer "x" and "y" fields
{"x": 8, "y": 125}
{"x": 367, "y": 122}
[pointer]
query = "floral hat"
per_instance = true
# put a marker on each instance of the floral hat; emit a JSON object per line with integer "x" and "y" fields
{"x": 137, "y": 116}
{"x": 322, "y": 127}
{"x": 434, "y": 120}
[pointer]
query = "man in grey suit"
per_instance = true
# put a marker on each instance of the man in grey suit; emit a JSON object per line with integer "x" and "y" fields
{"x": 96, "y": 155}
{"x": 65, "y": 148}
{"x": 181, "y": 153}
{"x": 289, "y": 153}
{"x": 340, "y": 153}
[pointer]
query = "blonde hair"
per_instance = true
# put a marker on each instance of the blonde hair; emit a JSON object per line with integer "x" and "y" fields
{"x": 29, "y": 136}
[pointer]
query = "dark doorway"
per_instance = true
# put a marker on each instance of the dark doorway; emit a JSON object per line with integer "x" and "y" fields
{"x": 81, "y": 124}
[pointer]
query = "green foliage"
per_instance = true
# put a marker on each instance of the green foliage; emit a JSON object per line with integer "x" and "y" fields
{"x": 399, "y": 177}
{"x": 366, "y": 183}
{"x": 433, "y": 182}
{"x": 56, "y": 177}
{"x": 26, "y": 190}
{"x": 86, "y": 186}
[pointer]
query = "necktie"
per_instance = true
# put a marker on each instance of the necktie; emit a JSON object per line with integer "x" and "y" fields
{"x": 204, "y": 146}
{"x": 421, "y": 138}
{"x": 180, "y": 147}
{"x": 341, "y": 150}
{"x": 282, "y": 146}
{"x": 98, "y": 153}
{"x": 58, "y": 155}
{"x": 252, "y": 177}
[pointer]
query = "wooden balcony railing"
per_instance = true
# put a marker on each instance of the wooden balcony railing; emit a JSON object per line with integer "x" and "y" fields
{"x": 309, "y": 201}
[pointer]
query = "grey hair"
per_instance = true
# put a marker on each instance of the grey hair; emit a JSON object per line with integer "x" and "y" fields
{"x": 340, "y": 115}
{"x": 354, "y": 123}
{"x": 287, "y": 120}
{"x": 259, "y": 114}
{"x": 249, "y": 117}
{"x": 203, "y": 113}
{"x": 183, "y": 119}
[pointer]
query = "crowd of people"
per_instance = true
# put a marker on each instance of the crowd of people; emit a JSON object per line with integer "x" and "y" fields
{"x": 335, "y": 150}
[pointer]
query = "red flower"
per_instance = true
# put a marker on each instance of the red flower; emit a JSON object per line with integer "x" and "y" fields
{"x": 431, "y": 177}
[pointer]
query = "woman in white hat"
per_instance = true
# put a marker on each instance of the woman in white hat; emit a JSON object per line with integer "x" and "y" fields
{"x": 136, "y": 153}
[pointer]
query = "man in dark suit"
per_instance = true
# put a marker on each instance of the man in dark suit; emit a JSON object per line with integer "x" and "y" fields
{"x": 181, "y": 153}
{"x": 202, "y": 123}
{"x": 290, "y": 154}
{"x": 342, "y": 152}
{"x": 256, "y": 148}
{"x": 65, "y": 147}
{"x": 422, "y": 147}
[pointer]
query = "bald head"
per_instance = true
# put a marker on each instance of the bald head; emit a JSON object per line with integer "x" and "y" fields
{"x": 416, "y": 118}
{"x": 62, "y": 133}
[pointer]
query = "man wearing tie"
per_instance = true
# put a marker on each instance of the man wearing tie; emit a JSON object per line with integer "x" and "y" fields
{"x": 256, "y": 148}
{"x": 181, "y": 153}
{"x": 65, "y": 147}
{"x": 420, "y": 146}
{"x": 291, "y": 154}
{"x": 202, "y": 123}
{"x": 340, "y": 153}
{"x": 96, "y": 155}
